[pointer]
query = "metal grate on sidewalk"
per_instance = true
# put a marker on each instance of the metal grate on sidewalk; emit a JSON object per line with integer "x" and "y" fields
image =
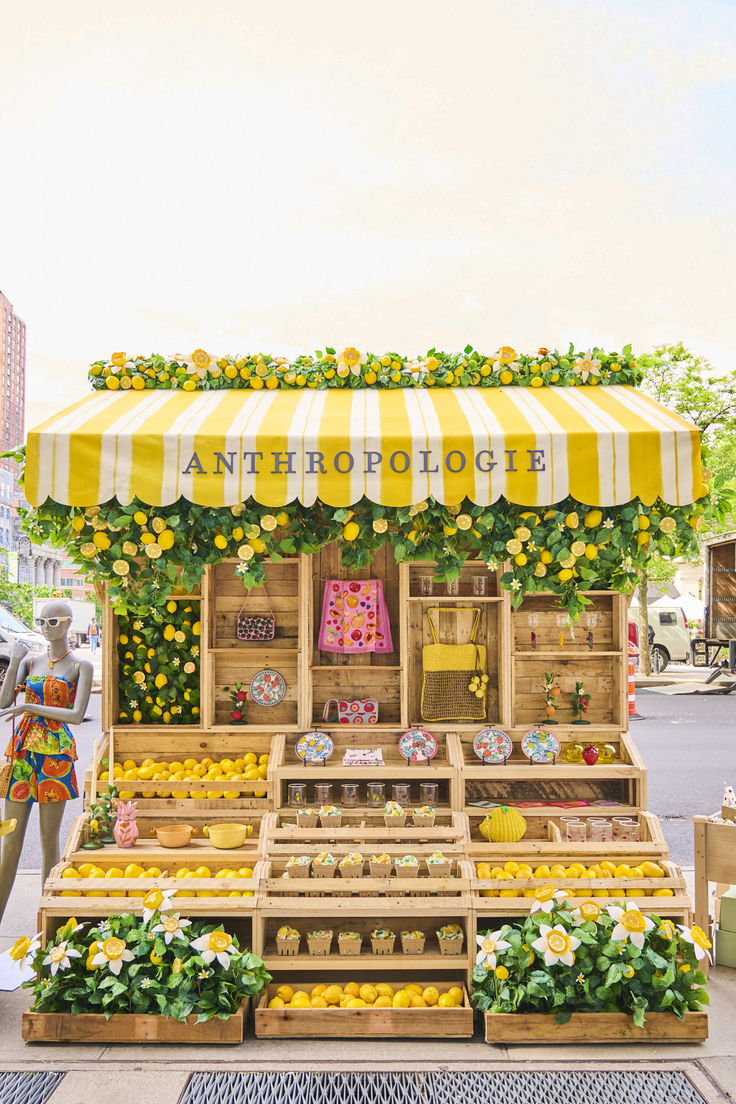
{"x": 507, "y": 1087}
{"x": 27, "y": 1088}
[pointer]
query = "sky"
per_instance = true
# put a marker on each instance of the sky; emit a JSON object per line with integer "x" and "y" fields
{"x": 399, "y": 174}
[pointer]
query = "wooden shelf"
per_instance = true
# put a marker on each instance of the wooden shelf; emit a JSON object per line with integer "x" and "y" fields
{"x": 366, "y": 960}
{"x": 432, "y": 599}
{"x": 562, "y": 653}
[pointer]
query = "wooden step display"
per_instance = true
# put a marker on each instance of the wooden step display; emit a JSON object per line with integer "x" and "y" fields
{"x": 366, "y": 1023}
{"x": 286, "y": 767}
{"x": 617, "y": 788}
{"x": 285, "y": 883}
{"x": 134, "y": 1027}
{"x": 167, "y": 743}
{"x": 488, "y": 903}
{"x": 544, "y": 840}
{"x": 362, "y": 831}
{"x": 75, "y": 852}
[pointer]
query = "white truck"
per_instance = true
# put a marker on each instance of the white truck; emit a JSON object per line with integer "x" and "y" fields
{"x": 82, "y": 614}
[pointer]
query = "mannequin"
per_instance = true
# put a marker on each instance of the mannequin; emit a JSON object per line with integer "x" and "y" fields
{"x": 57, "y": 687}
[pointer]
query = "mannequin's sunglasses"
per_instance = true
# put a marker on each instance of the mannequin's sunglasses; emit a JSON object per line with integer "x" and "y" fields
{"x": 52, "y": 622}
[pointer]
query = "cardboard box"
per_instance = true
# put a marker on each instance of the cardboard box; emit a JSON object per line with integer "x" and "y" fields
{"x": 725, "y": 948}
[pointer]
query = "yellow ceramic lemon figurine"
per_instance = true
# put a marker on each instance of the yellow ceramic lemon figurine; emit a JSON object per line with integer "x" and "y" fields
{"x": 506, "y": 825}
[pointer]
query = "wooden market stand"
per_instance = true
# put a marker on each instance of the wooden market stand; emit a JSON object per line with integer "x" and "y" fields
{"x": 515, "y": 703}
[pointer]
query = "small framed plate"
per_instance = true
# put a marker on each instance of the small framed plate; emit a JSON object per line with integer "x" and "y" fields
{"x": 493, "y": 745}
{"x": 267, "y": 687}
{"x": 540, "y": 746}
{"x": 315, "y": 747}
{"x": 417, "y": 745}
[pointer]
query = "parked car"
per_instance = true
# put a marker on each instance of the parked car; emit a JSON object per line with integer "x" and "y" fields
{"x": 11, "y": 629}
{"x": 671, "y": 640}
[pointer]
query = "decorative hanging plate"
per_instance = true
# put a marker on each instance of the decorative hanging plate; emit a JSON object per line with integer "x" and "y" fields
{"x": 417, "y": 745}
{"x": 315, "y": 747}
{"x": 540, "y": 746}
{"x": 492, "y": 745}
{"x": 267, "y": 687}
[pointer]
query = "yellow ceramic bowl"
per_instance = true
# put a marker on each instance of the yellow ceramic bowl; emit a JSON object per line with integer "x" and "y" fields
{"x": 226, "y": 835}
{"x": 174, "y": 835}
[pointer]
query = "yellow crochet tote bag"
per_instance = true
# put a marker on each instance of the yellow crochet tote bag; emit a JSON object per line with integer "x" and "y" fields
{"x": 447, "y": 670}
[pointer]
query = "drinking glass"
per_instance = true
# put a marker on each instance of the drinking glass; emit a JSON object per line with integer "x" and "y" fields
{"x": 600, "y": 831}
{"x": 323, "y": 793}
{"x": 377, "y": 794}
{"x": 453, "y": 587}
{"x": 297, "y": 794}
{"x": 576, "y": 831}
{"x": 349, "y": 795}
{"x": 479, "y": 585}
{"x": 401, "y": 792}
{"x": 428, "y": 793}
{"x": 425, "y": 585}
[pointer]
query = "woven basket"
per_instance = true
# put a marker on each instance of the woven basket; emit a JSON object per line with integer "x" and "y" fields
{"x": 445, "y": 697}
{"x": 450, "y": 946}
{"x": 288, "y": 948}
{"x": 383, "y": 946}
{"x": 350, "y": 946}
{"x": 411, "y": 946}
{"x": 319, "y": 948}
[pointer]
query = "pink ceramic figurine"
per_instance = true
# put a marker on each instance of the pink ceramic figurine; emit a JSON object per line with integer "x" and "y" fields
{"x": 126, "y": 825}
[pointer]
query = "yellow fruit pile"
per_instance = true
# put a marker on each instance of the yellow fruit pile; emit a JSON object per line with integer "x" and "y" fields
{"x": 137, "y": 872}
{"x": 380, "y": 995}
{"x": 247, "y": 768}
{"x": 576, "y": 870}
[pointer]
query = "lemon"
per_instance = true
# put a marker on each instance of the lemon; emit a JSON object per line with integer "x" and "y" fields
{"x": 101, "y": 541}
{"x": 72, "y": 872}
{"x": 431, "y": 995}
{"x": 644, "y": 522}
{"x": 456, "y": 993}
{"x": 276, "y": 1002}
{"x": 331, "y": 994}
{"x": 402, "y": 999}
{"x": 314, "y": 1002}
{"x": 351, "y": 989}
{"x": 368, "y": 993}
{"x": 384, "y": 989}
{"x": 417, "y": 1001}
{"x": 220, "y": 541}
{"x": 351, "y": 531}
{"x": 446, "y": 1001}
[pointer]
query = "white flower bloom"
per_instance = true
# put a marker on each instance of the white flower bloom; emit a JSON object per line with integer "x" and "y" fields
{"x": 215, "y": 945}
{"x": 701, "y": 944}
{"x": 156, "y": 900}
{"x": 351, "y": 359}
{"x": 546, "y": 898}
{"x": 489, "y": 946}
{"x": 146, "y": 983}
{"x": 631, "y": 924}
{"x": 172, "y": 927}
{"x": 586, "y": 367}
{"x": 515, "y": 584}
{"x": 113, "y": 953}
{"x": 556, "y": 945}
{"x": 608, "y": 523}
{"x": 59, "y": 957}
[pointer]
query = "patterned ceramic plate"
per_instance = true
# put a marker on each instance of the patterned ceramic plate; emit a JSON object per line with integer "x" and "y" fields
{"x": 492, "y": 745}
{"x": 315, "y": 747}
{"x": 417, "y": 745}
{"x": 540, "y": 746}
{"x": 267, "y": 687}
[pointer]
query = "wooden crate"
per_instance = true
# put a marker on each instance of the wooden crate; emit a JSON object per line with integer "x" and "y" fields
{"x": 361, "y": 831}
{"x": 364, "y": 915}
{"x": 532, "y": 1028}
{"x": 286, "y": 767}
{"x": 456, "y": 628}
{"x": 55, "y": 911}
{"x": 593, "y": 651}
{"x": 544, "y": 840}
{"x": 715, "y": 861}
{"x": 169, "y": 742}
{"x": 582, "y": 889}
{"x": 136, "y": 1027}
{"x": 552, "y": 785}
{"x": 296, "y": 891}
{"x": 365, "y": 1023}
{"x": 199, "y": 850}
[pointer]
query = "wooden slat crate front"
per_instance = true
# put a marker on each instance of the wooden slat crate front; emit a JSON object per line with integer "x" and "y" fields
{"x": 361, "y": 831}
{"x": 544, "y": 840}
{"x": 136, "y": 1027}
{"x": 594, "y": 1027}
{"x": 251, "y": 850}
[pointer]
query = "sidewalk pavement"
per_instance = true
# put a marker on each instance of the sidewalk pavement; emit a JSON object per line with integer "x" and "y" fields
{"x": 96, "y": 1072}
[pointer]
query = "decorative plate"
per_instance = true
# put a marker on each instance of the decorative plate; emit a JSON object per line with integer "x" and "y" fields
{"x": 417, "y": 745}
{"x": 540, "y": 746}
{"x": 492, "y": 745}
{"x": 315, "y": 747}
{"x": 267, "y": 687}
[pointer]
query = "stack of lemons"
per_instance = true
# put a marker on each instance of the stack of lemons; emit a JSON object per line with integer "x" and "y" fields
{"x": 576, "y": 870}
{"x": 248, "y": 768}
{"x": 380, "y": 995}
{"x": 136, "y": 872}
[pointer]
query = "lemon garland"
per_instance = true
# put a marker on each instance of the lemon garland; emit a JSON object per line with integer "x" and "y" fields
{"x": 144, "y": 552}
{"x": 198, "y": 371}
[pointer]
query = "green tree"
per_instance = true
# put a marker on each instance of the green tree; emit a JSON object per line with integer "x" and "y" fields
{"x": 689, "y": 385}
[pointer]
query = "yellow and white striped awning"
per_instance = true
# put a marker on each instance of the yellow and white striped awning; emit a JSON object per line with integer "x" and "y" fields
{"x": 603, "y": 445}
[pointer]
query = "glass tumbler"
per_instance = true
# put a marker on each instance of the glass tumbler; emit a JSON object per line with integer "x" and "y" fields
{"x": 377, "y": 794}
{"x": 429, "y": 793}
{"x": 600, "y": 831}
{"x": 479, "y": 585}
{"x": 425, "y": 585}
{"x": 323, "y": 793}
{"x": 453, "y": 587}
{"x": 297, "y": 794}
{"x": 575, "y": 831}
{"x": 349, "y": 794}
{"x": 401, "y": 792}
{"x": 626, "y": 829}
